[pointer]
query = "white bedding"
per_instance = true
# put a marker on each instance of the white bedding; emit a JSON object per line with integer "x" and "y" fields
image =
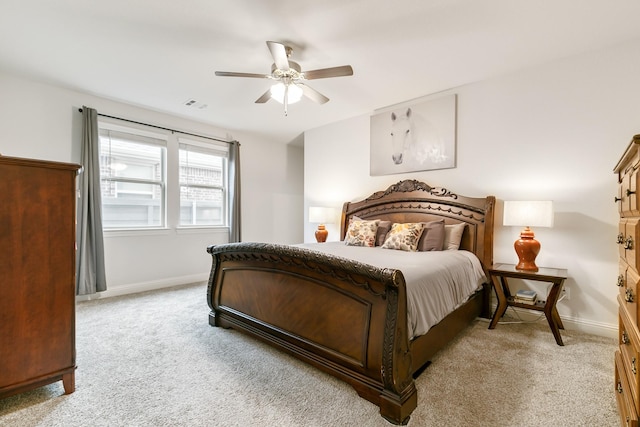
{"x": 437, "y": 281}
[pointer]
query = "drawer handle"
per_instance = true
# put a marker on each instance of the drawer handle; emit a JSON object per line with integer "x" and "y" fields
{"x": 619, "y": 388}
{"x": 620, "y": 238}
{"x": 628, "y": 244}
{"x": 617, "y": 199}
{"x": 629, "y": 192}
{"x": 625, "y": 338}
{"x": 633, "y": 365}
{"x": 620, "y": 280}
{"x": 628, "y": 295}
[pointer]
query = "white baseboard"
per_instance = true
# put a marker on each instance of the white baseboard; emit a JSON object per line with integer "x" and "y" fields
{"x": 570, "y": 323}
{"x": 145, "y": 286}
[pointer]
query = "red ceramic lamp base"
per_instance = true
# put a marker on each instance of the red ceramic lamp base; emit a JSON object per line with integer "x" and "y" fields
{"x": 321, "y": 234}
{"x": 527, "y": 249}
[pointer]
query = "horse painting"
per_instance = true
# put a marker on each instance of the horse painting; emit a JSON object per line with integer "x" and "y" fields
{"x": 411, "y": 138}
{"x": 415, "y": 139}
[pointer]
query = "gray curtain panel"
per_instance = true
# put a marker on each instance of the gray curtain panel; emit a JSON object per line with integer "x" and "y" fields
{"x": 90, "y": 269}
{"x": 234, "y": 192}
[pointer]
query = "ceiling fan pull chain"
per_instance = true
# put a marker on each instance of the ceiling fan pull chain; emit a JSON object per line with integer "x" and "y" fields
{"x": 286, "y": 98}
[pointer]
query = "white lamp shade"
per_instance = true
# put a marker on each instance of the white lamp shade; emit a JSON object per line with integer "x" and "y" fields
{"x": 321, "y": 215}
{"x": 529, "y": 213}
{"x": 294, "y": 93}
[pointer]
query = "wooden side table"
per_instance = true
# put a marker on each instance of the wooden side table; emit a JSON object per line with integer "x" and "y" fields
{"x": 499, "y": 274}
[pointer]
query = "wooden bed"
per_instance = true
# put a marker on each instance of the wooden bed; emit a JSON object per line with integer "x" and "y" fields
{"x": 347, "y": 318}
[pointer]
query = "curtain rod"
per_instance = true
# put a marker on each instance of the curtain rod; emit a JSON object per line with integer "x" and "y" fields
{"x": 163, "y": 128}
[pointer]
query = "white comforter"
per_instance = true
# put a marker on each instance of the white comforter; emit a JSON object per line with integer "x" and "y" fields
{"x": 437, "y": 282}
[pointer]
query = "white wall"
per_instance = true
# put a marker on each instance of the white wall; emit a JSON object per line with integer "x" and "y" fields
{"x": 42, "y": 121}
{"x": 553, "y": 132}
{"x": 272, "y": 193}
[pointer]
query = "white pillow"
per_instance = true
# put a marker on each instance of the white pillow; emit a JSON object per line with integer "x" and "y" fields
{"x": 453, "y": 236}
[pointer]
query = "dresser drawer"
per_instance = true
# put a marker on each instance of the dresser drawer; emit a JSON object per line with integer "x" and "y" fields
{"x": 628, "y": 177}
{"x": 621, "y": 282}
{"x": 626, "y": 407}
{"x": 630, "y": 352}
{"x": 628, "y": 240}
{"x": 629, "y": 293}
{"x": 627, "y": 197}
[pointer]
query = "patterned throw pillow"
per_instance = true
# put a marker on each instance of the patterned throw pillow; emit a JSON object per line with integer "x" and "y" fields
{"x": 404, "y": 237}
{"x": 361, "y": 233}
{"x": 383, "y": 229}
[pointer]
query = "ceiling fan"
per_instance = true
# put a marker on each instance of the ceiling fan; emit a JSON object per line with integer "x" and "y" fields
{"x": 290, "y": 78}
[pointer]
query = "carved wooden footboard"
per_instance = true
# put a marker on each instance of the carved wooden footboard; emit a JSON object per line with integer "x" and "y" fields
{"x": 346, "y": 318}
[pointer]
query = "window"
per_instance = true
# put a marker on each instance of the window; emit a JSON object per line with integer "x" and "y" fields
{"x": 132, "y": 180}
{"x": 202, "y": 185}
{"x": 153, "y": 180}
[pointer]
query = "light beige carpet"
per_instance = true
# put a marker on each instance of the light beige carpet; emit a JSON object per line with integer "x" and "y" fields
{"x": 152, "y": 360}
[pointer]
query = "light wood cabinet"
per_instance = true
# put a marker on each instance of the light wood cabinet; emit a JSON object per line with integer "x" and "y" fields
{"x": 37, "y": 274}
{"x": 627, "y": 357}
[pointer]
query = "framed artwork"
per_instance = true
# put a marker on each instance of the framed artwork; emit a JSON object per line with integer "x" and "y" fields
{"x": 419, "y": 137}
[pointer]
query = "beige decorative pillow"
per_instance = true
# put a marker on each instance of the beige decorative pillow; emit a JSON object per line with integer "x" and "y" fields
{"x": 453, "y": 236}
{"x": 432, "y": 238}
{"x": 361, "y": 233}
{"x": 381, "y": 233}
{"x": 403, "y": 237}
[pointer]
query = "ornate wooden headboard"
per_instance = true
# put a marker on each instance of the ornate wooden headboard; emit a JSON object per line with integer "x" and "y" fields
{"x": 415, "y": 201}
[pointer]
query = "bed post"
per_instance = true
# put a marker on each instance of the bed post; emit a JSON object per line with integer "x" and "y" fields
{"x": 487, "y": 259}
{"x": 399, "y": 397}
{"x": 211, "y": 286}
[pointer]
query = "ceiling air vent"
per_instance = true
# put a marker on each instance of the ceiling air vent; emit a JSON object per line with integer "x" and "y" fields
{"x": 192, "y": 103}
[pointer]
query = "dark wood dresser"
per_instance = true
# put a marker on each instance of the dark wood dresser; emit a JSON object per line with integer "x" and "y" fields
{"x": 37, "y": 274}
{"x": 627, "y": 357}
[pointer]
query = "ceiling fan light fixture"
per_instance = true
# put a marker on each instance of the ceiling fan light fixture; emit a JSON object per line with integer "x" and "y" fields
{"x": 294, "y": 92}
{"x": 289, "y": 79}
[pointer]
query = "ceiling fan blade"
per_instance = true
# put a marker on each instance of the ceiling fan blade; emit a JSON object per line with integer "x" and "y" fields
{"x": 264, "y": 98}
{"x": 279, "y": 53}
{"x": 323, "y": 73}
{"x": 313, "y": 94}
{"x": 232, "y": 74}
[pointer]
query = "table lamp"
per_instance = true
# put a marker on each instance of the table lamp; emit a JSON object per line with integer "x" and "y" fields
{"x": 528, "y": 214}
{"x": 321, "y": 216}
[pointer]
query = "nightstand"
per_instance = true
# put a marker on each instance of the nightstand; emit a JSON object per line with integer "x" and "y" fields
{"x": 556, "y": 276}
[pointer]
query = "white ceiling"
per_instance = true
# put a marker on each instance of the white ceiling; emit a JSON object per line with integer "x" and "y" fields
{"x": 160, "y": 53}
